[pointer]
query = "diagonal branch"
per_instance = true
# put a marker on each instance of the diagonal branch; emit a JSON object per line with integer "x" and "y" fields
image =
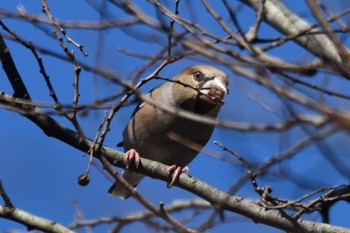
{"x": 32, "y": 221}
{"x": 287, "y": 22}
{"x": 9, "y": 211}
{"x": 159, "y": 171}
{"x": 11, "y": 71}
{"x": 341, "y": 49}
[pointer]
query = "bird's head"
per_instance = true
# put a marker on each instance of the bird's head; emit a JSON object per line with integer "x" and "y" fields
{"x": 201, "y": 83}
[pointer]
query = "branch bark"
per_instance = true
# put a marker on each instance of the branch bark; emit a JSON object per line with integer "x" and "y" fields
{"x": 32, "y": 221}
{"x": 157, "y": 170}
{"x": 287, "y": 22}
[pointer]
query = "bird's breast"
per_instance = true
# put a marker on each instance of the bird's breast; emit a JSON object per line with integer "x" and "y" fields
{"x": 177, "y": 141}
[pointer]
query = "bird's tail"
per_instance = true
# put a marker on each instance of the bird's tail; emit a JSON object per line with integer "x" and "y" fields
{"x": 119, "y": 191}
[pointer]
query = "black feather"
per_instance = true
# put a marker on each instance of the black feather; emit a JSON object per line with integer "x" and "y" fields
{"x": 120, "y": 144}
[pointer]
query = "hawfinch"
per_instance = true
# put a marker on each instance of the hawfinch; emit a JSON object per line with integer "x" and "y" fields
{"x": 157, "y": 135}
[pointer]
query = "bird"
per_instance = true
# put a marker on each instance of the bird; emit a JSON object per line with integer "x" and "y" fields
{"x": 165, "y": 137}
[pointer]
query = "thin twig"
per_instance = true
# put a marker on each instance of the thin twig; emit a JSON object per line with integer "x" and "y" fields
{"x": 5, "y": 197}
{"x": 56, "y": 26}
{"x": 134, "y": 193}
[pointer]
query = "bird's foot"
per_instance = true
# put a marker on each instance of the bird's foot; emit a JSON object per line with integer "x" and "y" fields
{"x": 132, "y": 157}
{"x": 176, "y": 170}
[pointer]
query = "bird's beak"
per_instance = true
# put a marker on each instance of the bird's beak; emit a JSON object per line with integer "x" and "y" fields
{"x": 214, "y": 90}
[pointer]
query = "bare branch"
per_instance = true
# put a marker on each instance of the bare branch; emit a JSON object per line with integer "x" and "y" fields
{"x": 9, "y": 211}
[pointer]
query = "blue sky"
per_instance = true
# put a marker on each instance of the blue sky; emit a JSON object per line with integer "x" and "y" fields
{"x": 40, "y": 173}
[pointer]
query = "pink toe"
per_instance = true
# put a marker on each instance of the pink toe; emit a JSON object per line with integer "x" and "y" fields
{"x": 132, "y": 156}
{"x": 176, "y": 170}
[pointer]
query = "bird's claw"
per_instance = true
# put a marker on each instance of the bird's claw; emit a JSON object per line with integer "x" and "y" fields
{"x": 132, "y": 156}
{"x": 176, "y": 170}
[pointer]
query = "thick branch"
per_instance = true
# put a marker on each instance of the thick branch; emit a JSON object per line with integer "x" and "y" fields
{"x": 32, "y": 221}
{"x": 159, "y": 171}
{"x": 280, "y": 17}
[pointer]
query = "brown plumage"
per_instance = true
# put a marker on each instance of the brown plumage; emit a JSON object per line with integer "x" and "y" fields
{"x": 154, "y": 134}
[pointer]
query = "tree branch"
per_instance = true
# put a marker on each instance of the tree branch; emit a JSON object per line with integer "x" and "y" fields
{"x": 9, "y": 211}
{"x": 159, "y": 171}
{"x": 11, "y": 71}
{"x": 280, "y": 17}
{"x": 32, "y": 221}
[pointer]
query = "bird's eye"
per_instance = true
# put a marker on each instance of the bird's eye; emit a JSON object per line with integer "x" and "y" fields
{"x": 197, "y": 75}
